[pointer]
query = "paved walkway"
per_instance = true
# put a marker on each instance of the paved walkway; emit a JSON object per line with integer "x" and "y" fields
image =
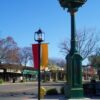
{"x": 52, "y": 97}
{"x": 61, "y": 97}
{"x": 47, "y": 97}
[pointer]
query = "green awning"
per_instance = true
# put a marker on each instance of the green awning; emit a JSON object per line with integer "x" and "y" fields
{"x": 30, "y": 72}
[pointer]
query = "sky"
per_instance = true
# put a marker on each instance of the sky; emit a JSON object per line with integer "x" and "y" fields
{"x": 21, "y": 18}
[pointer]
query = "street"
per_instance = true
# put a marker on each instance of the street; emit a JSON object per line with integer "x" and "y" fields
{"x": 24, "y": 91}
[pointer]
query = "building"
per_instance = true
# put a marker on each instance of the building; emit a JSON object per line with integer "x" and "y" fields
{"x": 16, "y": 73}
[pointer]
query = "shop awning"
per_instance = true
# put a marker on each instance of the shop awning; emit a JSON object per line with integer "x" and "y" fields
{"x": 30, "y": 72}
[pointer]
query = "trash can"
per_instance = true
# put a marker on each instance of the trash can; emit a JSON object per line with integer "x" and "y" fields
{"x": 14, "y": 80}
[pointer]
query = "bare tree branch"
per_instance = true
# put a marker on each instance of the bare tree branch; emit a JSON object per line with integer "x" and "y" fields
{"x": 86, "y": 42}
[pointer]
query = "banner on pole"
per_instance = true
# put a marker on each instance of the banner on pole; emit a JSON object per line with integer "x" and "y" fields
{"x": 35, "y": 55}
{"x": 43, "y": 55}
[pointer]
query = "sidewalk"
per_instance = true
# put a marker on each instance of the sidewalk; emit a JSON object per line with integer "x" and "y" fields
{"x": 51, "y": 97}
{"x": 61, "y": 97}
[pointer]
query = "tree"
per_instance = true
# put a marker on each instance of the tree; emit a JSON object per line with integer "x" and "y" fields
{"x": 86, "y": 43}
{"x": 25, "y": 55}
{"x": 94, "y": 60}
{"x": 8, "y": 50}
{"x": 10, "y": 53}
{"x": 57, "y": 62}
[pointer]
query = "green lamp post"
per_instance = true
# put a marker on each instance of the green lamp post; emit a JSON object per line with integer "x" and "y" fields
{"x": 74, "y": 59}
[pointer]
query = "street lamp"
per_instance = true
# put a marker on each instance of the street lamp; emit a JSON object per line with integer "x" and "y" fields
{"x": 39, "y": 37}
{"x": 74, "y": 59}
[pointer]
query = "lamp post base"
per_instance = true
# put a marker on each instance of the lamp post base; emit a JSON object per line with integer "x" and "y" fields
{"x": 76, "y": 92}
{"x": 70, "y": 92}
{"x": 73, "y": 87}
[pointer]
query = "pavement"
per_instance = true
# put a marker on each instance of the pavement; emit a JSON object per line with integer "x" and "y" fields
{"x": 47, "y": 97}
{"x": 61, "y": 97}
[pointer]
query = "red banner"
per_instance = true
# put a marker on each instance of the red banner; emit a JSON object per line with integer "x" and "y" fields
{"x": 35, "y": 55}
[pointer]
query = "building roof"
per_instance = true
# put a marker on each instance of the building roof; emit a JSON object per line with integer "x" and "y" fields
{"x": 13, "y": 66}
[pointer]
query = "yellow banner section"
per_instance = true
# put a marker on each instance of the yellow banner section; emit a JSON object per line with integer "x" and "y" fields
{"x": 44, "y": 55}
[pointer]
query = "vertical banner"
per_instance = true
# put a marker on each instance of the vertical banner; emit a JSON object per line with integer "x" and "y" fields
{"x": 44, "y": 55}
{"x": 35, "y": 55}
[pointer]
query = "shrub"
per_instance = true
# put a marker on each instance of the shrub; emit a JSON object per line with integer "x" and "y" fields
{"x": 52, "y": 91}
{"x": 1, "y": 81}
{"x": 22, "y": 81}
{"x": 62, "y": 90}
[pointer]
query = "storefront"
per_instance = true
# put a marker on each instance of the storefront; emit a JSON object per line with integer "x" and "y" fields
{"x": 30, "y": 75}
